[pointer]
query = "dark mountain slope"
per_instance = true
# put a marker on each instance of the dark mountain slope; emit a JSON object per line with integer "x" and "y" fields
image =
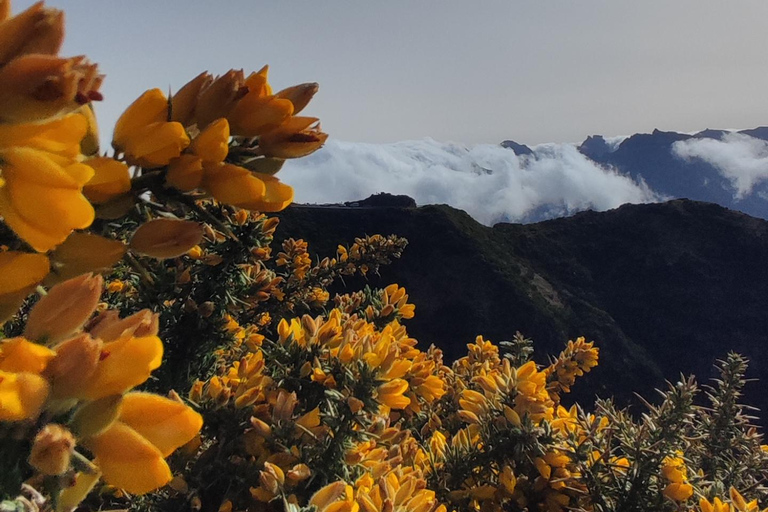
{"x": 663, "y": 288}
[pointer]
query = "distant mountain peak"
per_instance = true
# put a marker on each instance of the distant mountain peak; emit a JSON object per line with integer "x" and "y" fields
{"x": 519, "y": 149}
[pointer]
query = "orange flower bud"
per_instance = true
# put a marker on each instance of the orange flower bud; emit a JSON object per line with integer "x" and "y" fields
{"x": 277, "y": 195}
{"x": 75, "y": 362}
{"x": 36, "y": 30}
{"x": 64, "y": 309}
{"x": 52, "y": 450}
{"x": 166, "y": 238}
{"x": 185, "y": 172}
{"x": 293, "y": 139}
{"x": 254, "y": 115}
{"x": 212, "y": 145}
{"x": 151, "y": 107}
{"x": 184, "y": 102}
{"x": 217, "y": 99}
{"x": 110, "y": 180}
{"x": 300, "y": 95}
{"x": 82, "y": 253}
{"x": 35, "y": 87}
{"x": 21, "y": 271}
{"x": 233, "y": 185}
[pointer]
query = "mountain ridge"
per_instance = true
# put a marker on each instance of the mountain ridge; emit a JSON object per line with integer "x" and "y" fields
{"x": 658, "y": 286}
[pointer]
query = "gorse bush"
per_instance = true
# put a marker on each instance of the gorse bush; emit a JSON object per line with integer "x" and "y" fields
{"x": 161, "y": 352}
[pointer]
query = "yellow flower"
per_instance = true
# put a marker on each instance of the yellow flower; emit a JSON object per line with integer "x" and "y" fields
{"x": 144, "y": 134}
{"x": 22, "y": 395}
{"x": 60, "y": 136}
{"x": 714, "y": 506}
{"x": 41, "y": 200}
{"x": 123, "y": 364}
{"x": 259, "y": 111}
{"x": 234, "y": 185}
{"x": 20, "y": 355}
{"x": 128, "y": 460}
{"x": 296, "y": 137}
{"x": 212, "y": 145}
{"x": 110, "y": 179}
{"x": 678, "y": 491}
{"x": 166, "y": 423}
{"x": 391, "y": 394}
{"x": 35, "y": 87}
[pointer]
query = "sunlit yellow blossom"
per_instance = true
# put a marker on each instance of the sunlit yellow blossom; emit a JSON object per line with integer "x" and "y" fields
{"x": 678, "y": 491}
{"x": 123, "y": 364}
{"x": 20, "y": 355}
{"x": 128, "y": 460}
{"x": 166, "y": 423}
{"x": 59, "y": 136}
{"x": 144, "y": 134}
{"x": 41, "y": 200}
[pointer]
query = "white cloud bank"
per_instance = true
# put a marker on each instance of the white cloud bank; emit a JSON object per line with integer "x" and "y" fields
{"x": 741, "y": 159}
{"x": 489, "y": 182}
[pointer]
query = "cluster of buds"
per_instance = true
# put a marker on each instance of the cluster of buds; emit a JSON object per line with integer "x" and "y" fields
{"x": 67, "y": 383}
{"x": 226, "y": 136}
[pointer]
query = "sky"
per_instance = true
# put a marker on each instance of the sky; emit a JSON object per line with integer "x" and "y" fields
{"x": 469, "y": 72}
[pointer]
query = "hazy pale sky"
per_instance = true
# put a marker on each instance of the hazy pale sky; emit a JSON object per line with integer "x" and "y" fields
{"x": 454, "y": 70}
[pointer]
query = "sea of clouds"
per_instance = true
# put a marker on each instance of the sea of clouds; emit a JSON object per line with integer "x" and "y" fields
{"x": 488, "y": 181}
{"x": 741, "y": 159}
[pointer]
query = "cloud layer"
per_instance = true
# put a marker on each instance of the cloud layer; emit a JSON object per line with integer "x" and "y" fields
{"x": 489, "y": 182}
{"x": 741, "y": 159}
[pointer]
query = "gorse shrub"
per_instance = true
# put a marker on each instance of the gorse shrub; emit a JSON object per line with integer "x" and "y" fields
{"x": 161, "y": 352}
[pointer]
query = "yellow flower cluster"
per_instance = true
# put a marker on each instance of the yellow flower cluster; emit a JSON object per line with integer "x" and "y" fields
{"x": 68, "y": 381}
{"x": 44, "y": 121}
